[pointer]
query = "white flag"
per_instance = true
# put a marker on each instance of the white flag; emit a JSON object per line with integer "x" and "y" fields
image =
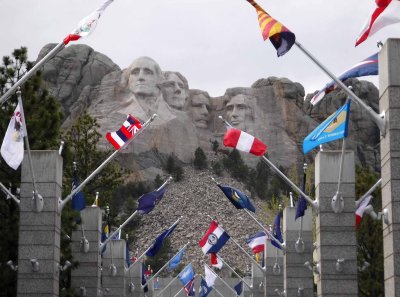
{"x": 210, "y": 276}
{"x": 12, "y": 149}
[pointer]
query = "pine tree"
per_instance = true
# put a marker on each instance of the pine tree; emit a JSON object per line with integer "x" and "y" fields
{"x": 200, "y": 159}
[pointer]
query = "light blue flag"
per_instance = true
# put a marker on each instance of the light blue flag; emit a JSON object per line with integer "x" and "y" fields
{"x": 176, "y": 260}
{"x": 333, "y": 128}
{"x": 186, "y": 275}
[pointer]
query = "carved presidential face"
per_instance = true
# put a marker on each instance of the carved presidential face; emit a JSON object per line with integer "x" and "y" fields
{"x": 236, "y": 111}
{"x": 175, "y": 92}
{"x": 144, "y": 77}
{"x": 199, "y": 109}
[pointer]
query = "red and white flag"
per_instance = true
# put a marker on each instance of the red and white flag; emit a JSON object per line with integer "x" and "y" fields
{"x": 87, "y": 25}
{"x": 12, "y": 148}
{"x": 215, "y": 261}
{"x": 130, "y": 127}
{"x": 214, "y": 239}
{"x": 361, "y": 209}
{"x": 245, "y": 142}
{"x": 387, "y": 13}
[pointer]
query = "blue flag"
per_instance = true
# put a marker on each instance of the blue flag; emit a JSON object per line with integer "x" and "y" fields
{"x": 159, "y": 241}
{"x": 186, "y": 277}
{"x": 104, "y": 236}
{"x": 277, "y": 231}
{"x": 204, "y": 289}
{"x": 237, "y": 198}
{"x": 145, "y": 289}
{"x": 239, "y": 288}
{"x": 148, "y": 201}
{"x": 333, "y": 128}
{"x": 176, "y": 260}
{"x": 127, "y": 255}
{"x": 78, "y": 200}
{"x": 302, "y": 203}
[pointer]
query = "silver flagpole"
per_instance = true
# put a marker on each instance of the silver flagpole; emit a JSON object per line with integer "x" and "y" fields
{"x": 8, "y": 193}
{"x": 218, "y": 291}
{"x": 31, "y": 72}
{"x": 162, "y": 268}
{"x": 369, "y": 192}
{"x": 223, "y": 261}
{"x": 379, "y": 119}
{"x": 233, "y": 290}
{"x": 159, "y": 293}
{"x": 130, "y": 218}
{"x": 38, "y": 199}
{"x": 61, "y": 203}
{"x": 314, "y": 203}
{"x": 142, "y": 255}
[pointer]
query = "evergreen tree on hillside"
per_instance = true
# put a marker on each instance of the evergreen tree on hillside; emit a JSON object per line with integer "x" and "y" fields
{"x": 200, "y": 159}
{"x": 43, "y": 120}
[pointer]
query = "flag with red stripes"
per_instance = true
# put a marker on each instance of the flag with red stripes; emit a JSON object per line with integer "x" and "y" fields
{"x": 130, "y": 127}
{"x": 245, "y": 142}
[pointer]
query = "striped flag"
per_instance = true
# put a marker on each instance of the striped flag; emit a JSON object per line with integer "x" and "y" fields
{"x": 361, "y": 209}
{"x": 387, "y": 13}
{"x": 130, "y": 127}
{"x": 280, "y": 36}
{"x": 245, "y": 142}
{"x": 87, "y": 25}
{"x": 214, "y": 239}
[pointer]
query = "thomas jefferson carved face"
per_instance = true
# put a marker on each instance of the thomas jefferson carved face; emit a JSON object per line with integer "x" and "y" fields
{"x": 237, "y": 110}
{"x": 199, "y": 109}
{"x": 175, "y": 91}
{"x": 145, "y": 74}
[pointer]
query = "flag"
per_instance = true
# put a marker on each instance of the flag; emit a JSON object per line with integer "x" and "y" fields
{"x": 12, "y": 148}
{"x": 257, "y": 242}
{"x": 369, "y": 66}
{"x": 204, "y": 288}
{"x": 215, "y": 261}
{"x": 159, "y": 241}
{"x": 87, "y": 25}
{"x": 280, "y": 36}
{"x": 78, "y": 200}
{"x": 148, "y": 201}
{"x": 245, "y": 142}
{"x": 176, "y": 260}
{"x": 127, "y": 255}
{"x": 387, "y": 13}
{"x": 361, "y": 209}
{"x": 144, "y": 281}
{"x": 277, "y": 231}
{"x": 302, "y": 202}
{"x": 186, "y": 277}
{"x": 209, "y": 276}
{"x": 333, "y": 128}
{"x": 130, "y": 127}
{"x": 214, "y": 239}
{"x": 239, "y": 288}
{"x": 237, "y": 198}
{"x": 104, "y": 235}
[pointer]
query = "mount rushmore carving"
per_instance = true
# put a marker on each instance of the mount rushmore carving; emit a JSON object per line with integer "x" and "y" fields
{"x": 272, "y": 109}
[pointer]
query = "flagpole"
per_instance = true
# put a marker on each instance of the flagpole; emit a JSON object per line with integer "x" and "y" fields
{"x": 162, "y": 268}
{"x": 218, "y": 291}
{"x": 32, "y": 71}
{"x": 159, "y": 293}
{"x": 221, "y": 279}
{"x": 314, "y": 203}
{"x": 137, "y": 260}
{"x": 38, "y": 199}
{"x": 223, "y": 261}
{"x": 369, "y": 192}
{"x": 61, "y": 203}
{"x": 8, "y": 193}
{"x": 379, "y": 119}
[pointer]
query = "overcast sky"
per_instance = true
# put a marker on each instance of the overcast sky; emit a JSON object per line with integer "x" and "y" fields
{"x": 216, "y": 44}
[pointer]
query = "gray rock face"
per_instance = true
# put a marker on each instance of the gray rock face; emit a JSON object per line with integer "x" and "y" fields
{"x": 272, "y": 109}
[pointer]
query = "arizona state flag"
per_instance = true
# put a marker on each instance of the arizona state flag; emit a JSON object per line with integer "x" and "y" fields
{"x": 280, "y": 36}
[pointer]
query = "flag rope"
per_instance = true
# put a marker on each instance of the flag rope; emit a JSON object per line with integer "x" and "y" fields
{"x": 379, "y": 119}
{"x": 61, "y": 203}
{"x": 337, "y": 199}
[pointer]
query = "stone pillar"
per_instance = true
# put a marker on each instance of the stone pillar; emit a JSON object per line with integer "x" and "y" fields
{"x": 274, "y": 278}
{"x": 336, "y": 237}
{"x": 296, "y": 275}
{"x": 133, "y": 276}
{"x": 389, "y": 89}
{"x": 114, "y": 254}
{"x": 39, "y": 233}
{"x": 88, "y": 273}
